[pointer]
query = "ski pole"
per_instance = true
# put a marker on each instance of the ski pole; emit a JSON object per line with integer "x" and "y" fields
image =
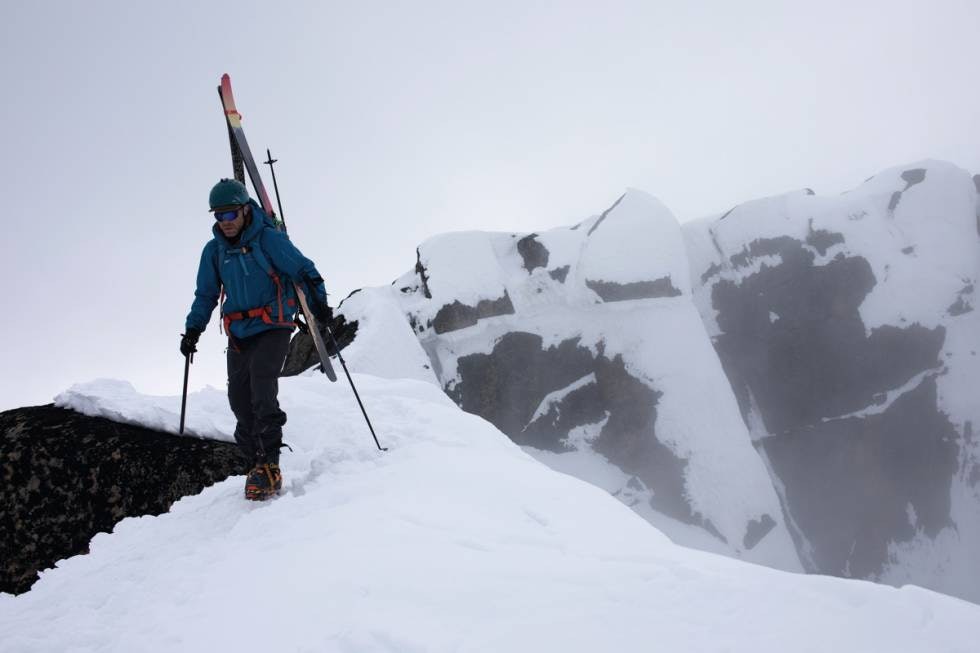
{"x": 326, "y": 327}
{"x": 336, "y": 348}
{"x": 275, "y": 186}
{"x": 188, "y": 359}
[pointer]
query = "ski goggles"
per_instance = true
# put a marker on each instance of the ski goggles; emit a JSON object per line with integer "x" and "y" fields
{"x": 226, "y": 216}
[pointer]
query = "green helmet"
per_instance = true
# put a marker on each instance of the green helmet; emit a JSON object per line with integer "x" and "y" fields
{"x": 228, "y": 192}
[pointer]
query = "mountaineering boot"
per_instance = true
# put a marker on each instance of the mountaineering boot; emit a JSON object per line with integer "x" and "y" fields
{"x": 264, "y": 481}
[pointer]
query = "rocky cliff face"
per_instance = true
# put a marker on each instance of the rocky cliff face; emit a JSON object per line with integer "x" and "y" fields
{"x": 67, "y": 476}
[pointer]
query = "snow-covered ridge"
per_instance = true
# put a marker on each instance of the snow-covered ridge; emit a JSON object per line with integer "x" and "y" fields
{"x": 454, "y": 540}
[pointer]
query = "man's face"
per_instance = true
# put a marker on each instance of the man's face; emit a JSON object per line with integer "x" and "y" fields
{"x": 230, "y": 228}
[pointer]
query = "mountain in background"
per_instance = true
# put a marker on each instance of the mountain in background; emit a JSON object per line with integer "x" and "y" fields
{"x": 791, "y": 383}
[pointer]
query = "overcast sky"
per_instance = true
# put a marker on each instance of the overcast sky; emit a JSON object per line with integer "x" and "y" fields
{"x": 395, "y": 121}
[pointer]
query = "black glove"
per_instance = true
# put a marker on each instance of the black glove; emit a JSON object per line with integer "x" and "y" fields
{"x": 188, "y": 342}
{"x": 321, "y": 312}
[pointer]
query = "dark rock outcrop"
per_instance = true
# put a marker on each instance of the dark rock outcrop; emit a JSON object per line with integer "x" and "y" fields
{"x": 67, "y": 476}
{"x": 821, "y": 239}
{"x": 793, "y": 335}
{"x": 911, "y": 178}
{"x": 756, "y": 530}
{"x": 963, "y": 303}
{"x": 857, "y": 484}
{"x": 854, "y": 468}
{"x": 559, "y": 274}
{"x": 302, "y": 353}
{"x": 457, "y": 315}
{"x": 618, "y": 292}
{"x": 535, "y": 254}
{"x": 508, "y": 385}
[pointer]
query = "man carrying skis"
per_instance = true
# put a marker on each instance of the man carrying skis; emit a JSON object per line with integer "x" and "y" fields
{"x": 251, "y": 267}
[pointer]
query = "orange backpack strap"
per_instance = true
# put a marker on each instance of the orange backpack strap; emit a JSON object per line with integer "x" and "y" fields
{"x": 263, "y": 262}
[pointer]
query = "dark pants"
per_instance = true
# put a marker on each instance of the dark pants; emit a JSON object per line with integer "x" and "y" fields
{"x": 253, "y": 390}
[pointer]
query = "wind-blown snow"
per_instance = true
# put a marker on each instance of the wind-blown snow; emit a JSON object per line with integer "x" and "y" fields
{"x": 454, "y": 540}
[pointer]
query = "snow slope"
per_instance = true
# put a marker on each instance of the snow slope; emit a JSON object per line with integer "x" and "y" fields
{"x": 455, "y": 540}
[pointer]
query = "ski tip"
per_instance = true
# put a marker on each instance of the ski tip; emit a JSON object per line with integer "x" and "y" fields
{"x": 228, "y": 99}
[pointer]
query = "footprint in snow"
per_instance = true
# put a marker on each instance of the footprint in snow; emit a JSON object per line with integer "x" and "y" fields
{"x": 543, "y": 521}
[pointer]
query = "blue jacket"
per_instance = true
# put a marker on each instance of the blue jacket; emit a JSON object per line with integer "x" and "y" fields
{"x": 244, "y": 270}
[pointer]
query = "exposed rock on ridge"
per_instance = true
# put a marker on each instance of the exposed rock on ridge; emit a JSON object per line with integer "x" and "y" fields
{"x": 67, "y": 476}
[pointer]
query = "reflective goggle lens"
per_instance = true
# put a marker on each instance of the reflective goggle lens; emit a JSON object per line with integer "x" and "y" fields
{"x": 226, "y": 216}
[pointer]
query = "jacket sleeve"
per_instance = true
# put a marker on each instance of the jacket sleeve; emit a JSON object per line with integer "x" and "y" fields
{"x": 286, "y": 258}
{"x": 208, "y": 289}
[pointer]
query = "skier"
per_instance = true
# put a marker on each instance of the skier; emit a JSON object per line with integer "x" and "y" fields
{"x": 251, "y": 267}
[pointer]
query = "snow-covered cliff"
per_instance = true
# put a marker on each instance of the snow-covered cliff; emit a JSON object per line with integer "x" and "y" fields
{"x": 583, "y": 344}
{"x": 847, "y": 327}
{"x": 791, "y": 382}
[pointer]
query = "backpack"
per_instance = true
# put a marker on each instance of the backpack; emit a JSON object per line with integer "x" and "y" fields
{"x": 262, "y": 312}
